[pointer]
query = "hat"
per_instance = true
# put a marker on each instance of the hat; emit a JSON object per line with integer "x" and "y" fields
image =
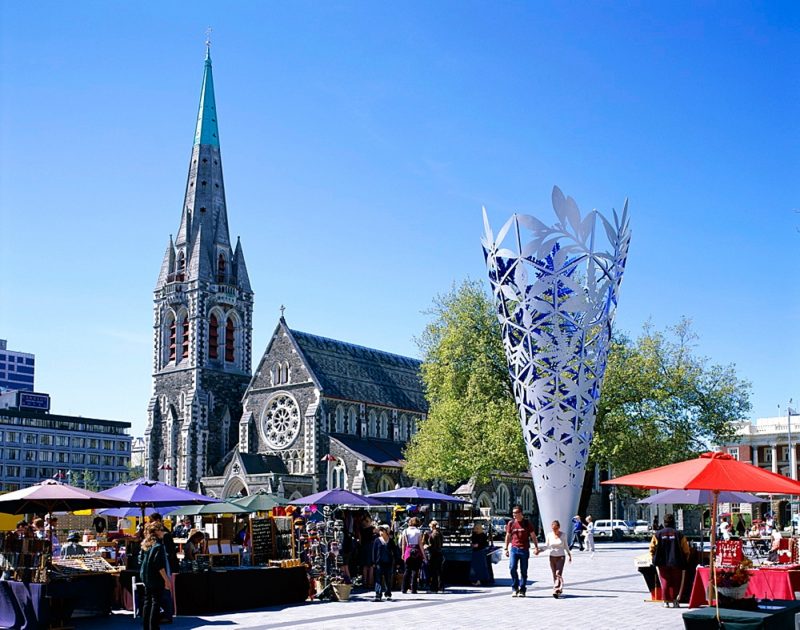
{"x": 386, "y": 527}
{"x": 74, "y": 537}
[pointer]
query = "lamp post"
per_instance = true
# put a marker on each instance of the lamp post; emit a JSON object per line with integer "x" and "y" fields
{"x": 611, "y": 501}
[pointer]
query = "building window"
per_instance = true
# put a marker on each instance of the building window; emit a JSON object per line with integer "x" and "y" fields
{"x": 339, "y": 426}
{"x": 213, "y": 337}
{"x": 372, "y": 426}
{"x": 734, "y": 452}
{"x": 502, "y": 498}
{"x": 30, "y": 438}
{"x": 351, "y": 421}
{"x": 221, "y": 268}
{"x": 185, "y": 337}
{"x": 181, "y": 267}
{"x": 337, "y": 475}
{"x": 385, "y": 484}
{"x": 230, "y": 331}
{"x": 527, "y": 500}
{"x": 384, "y": 425}
{"x": 172, "y": 334}
{"x": 46, "y": 440}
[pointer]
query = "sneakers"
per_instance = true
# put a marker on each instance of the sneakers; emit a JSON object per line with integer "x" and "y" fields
{"x": 522, "y": 593}
{"x": 389, "y": 597}
{"x": 515, "y": 593}
{"x": 377, "y": 597}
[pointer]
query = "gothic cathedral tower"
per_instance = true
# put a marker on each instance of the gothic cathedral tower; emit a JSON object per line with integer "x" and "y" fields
{"x": 202, "y": 329}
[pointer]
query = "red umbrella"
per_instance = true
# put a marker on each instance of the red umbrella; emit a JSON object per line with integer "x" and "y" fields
{"x": 711, "y": 471}
{"x": 715, "y": 472}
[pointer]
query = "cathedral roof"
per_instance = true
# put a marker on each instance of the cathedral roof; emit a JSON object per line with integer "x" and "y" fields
{"x": 351, "y": 372}
{"x": 372, "y": 451}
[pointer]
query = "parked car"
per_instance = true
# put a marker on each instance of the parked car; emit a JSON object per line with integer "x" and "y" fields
{"x": 604, "y": 527}
{"x": 640, "y": 527}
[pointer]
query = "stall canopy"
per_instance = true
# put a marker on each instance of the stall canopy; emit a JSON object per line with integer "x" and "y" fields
{"x": 414, "y": 495}
{"x": 53, "y": 496}
{"x": 337, "y": 496}
{"x": 222, "y": 507}
{"x": 260, "y": 501}
{"x": 699, "y": 497}
{"x": 134, "y": 511}
{"x": 144, "y": 493}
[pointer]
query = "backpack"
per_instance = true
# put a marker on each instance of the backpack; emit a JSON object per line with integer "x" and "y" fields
{"x": 151, "y": 561}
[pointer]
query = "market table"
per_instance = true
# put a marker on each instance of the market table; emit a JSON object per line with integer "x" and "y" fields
{"x": 770, "y": 615}
{"x": 765, "y": 583}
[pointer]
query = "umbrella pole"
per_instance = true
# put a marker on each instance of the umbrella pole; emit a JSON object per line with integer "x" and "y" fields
{"x": 714, "y": 505}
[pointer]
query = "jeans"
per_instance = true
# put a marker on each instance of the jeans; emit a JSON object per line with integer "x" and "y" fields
{"x": 151, "y": 612}
{"x": 384, "y": 575}
{"x": 517, "y": 556}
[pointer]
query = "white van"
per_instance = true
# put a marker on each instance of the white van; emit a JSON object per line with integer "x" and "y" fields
{"x": 604, "y": 527}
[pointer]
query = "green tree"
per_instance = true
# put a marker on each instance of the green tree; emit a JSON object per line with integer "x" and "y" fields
{"x": 661, "y": 403}
{"x": 472, "y": 426}
{"x": 89, "y": 480}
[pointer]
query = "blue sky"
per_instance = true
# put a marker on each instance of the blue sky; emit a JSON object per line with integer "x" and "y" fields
{"x": 359, "y": 142}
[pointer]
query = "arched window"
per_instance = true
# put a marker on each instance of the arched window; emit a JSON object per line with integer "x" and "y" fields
{"x": 339, "y": 427}
{"x": 173, "y": 331}
{"x": 285, "y": 376}
{"x": 337, "y": 475}
{"x": 221, "y": 268}
{"x": 230, "y": 330}
{"x": 181, "y": 267}
{"x": 384, "y": 425}
{"x": 502, "y": 498}
{"x": 403, "y": 428}
{"x": 385, "y": 484}
{"x": 213, "y": 337}
{"x": 185, "y": 337}
{"x": 351, "y": 421}
{"x": 372, "y": 426}
{"x": 527, "y": 500}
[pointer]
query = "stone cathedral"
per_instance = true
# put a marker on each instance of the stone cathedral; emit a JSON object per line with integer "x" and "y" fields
{"x": 317, "y": 413}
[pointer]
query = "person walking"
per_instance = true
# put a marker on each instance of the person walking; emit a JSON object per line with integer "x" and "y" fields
{"x": 556, "y": 542}
{"x": 383, "y": 554}
{"x": 590, "y": 534}
{"x": 577, "y": 530}
{"x": 478, "y": 571}
{"x": 413, "y": 554}
{"x": 435, "y": 559}
{"x": 670, "y": 551}
{"x": 741, "y": 528}
{"x": 519, "y": 534}
{"x": 153, "y": 573}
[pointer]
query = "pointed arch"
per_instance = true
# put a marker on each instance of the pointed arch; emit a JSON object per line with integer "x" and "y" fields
{"x": 180, "y": 266}
{"x": 385, "y": 484}
{"x": 338, "y": 426}
{"x": 383, "y": 426}
{"x": 526, "y": 499}
{"x": 230, "y": 340}
{"x": 170, "y": 336}
{"x": 372, "y": 424}
{"x": 352, "y": 420}
{"x": 184, "y": 331}
{"x": 221, "y": 268}
{"x": 403, "y": 428}
{"x": 213, "y": 336}
{"x": 503, "y": 498}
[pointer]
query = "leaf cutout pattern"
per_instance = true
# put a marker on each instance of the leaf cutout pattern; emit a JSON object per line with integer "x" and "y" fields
{"x": 556, "y": 300}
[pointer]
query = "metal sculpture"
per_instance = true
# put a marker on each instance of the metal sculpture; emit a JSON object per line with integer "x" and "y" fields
{"x": 556, "y": 295}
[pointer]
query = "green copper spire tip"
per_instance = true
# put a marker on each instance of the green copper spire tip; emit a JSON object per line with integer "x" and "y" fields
{"x": 207, "y": 131}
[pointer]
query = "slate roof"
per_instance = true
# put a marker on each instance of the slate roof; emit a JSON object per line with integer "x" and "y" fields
{"x": 372, "y": 451}
{"x": 254, "y": 464}
{"x": 352, "y": 372}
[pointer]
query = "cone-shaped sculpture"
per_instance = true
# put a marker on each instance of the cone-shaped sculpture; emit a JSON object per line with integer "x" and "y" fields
{"x": 556, "y": 294}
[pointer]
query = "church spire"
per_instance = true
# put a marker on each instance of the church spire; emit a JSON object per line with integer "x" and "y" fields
{"x": 206, "y": 131}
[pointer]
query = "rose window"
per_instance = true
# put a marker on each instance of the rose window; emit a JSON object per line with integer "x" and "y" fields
{"x": 281, "y": 422}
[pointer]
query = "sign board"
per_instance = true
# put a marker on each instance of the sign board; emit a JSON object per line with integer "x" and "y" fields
{"x": 263, "y": 540}
{"x": 29, "y": 400}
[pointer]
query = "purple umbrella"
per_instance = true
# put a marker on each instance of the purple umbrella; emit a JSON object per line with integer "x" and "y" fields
{"x": 53, "y": 496}
{"x": 145, "y": 493}
{"x": 134, "y": 511}
{"x": 414, "y": 495}
{"x": 700, "y": 497}
{"x": 336, "y": 496}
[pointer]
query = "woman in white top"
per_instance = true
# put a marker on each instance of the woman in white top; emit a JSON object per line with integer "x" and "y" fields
{"x": 556, "y": 542}
{"x": 412, "y": 554}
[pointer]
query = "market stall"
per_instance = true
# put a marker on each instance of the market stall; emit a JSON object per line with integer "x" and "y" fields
{"x": 775, "y": 582}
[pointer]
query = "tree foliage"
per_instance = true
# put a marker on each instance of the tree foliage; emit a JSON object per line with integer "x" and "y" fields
{"x": 472, "y": 426}
{"x": 661, "y": 403}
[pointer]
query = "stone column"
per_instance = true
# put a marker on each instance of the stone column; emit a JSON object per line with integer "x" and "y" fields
{"x": 755, "y": 454}
{"x": 774, "y": 448}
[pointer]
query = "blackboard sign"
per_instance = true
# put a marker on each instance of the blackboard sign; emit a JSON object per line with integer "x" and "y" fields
{"x": 263, "y": 539}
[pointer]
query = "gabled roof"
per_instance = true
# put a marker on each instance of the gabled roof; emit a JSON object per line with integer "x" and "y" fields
{"x": 372, "y": 451}
{"x": 253, "y": 464}
{"x": 356, "y": 373}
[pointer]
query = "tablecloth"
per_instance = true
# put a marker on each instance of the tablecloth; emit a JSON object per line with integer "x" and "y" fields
{"x": 763, "y": 584}
{"x": 771, "y": 615}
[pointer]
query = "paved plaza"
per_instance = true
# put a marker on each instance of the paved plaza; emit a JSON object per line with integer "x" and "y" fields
{"x": 601, "y": 592}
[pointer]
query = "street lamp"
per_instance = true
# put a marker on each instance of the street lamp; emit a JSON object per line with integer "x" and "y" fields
{"x": 611, "y": 500}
